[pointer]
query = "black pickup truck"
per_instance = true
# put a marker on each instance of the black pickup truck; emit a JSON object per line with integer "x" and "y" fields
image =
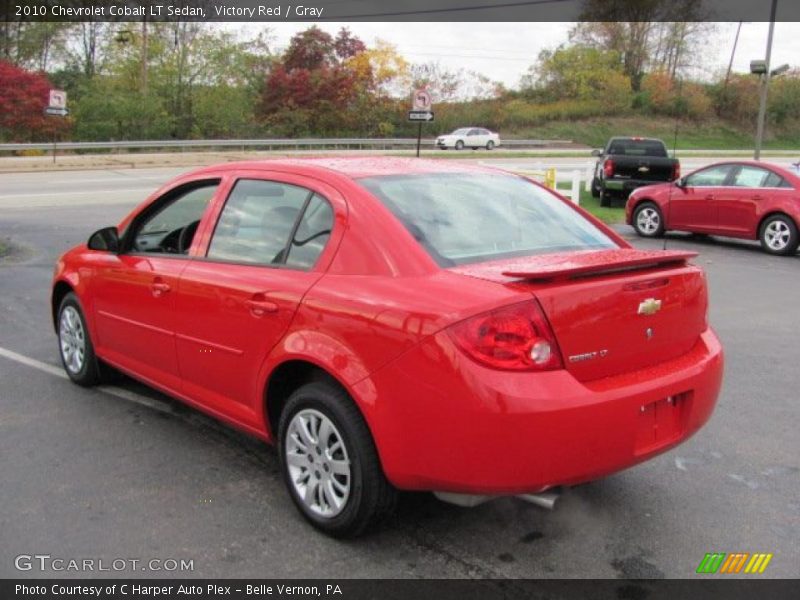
{"x": 627, "y": 163}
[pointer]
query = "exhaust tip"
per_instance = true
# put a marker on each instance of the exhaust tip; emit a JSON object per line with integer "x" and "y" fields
{"x": 544, "y": 499}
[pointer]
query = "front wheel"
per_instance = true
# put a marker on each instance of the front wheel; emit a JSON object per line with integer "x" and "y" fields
{"x": 459, "y": 145}
{"x": 76, "y": 350}
{"x": 329, "y": 462}
{"x": 648, "y": 221}
{"x": 778, "y": 235}
{"x": 490, "y": 145}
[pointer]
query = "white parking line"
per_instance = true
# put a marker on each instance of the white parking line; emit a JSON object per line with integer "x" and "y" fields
{"x": 108, "y": 389}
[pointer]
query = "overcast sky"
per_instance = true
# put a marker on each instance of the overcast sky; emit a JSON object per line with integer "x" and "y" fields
{"x": 504, "y": 51}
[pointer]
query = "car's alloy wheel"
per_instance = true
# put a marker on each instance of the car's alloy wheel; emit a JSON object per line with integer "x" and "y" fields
{"x": 779, "y": 235}
{"x": 459, "y": 145}
{"x": 318, "y": 464}
{"x": 329, "y": 461}
{"x": 75, "y": 345}
{"x": 490, "y": 145}
{"x": 647, "y": 220}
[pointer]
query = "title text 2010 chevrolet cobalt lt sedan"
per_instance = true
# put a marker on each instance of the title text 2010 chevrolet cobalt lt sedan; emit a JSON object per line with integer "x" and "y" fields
{"x": 396, "y": 324}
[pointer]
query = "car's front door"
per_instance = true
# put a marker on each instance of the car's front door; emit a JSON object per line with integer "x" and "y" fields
{"x": 134, "y": 291}
{"x": 693, "y": 207}
{"x": 238, "y": 296}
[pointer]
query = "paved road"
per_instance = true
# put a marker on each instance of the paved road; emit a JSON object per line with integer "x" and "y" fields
{"x": 127, "y": 473}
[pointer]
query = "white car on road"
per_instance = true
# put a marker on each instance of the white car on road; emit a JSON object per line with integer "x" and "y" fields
{"x": 469, "y": 137}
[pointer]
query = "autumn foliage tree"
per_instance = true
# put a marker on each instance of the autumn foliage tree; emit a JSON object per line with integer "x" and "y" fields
{"x": 320, "y": 86}
{"x": 23, "y": 98}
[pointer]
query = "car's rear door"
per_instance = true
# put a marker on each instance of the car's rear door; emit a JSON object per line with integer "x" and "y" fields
{"x": 693, "y": 207}
{"x": 133, "y": 292}
{"x": 239, "y": 295}
{"x": 740, "y": 207}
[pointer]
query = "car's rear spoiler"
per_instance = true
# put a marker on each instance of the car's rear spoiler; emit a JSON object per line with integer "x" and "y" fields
{"x": 582, "y": 264}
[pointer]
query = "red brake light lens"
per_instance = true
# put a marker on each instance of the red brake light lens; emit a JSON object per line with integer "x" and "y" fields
{"x": 608, "y": 168}
{"x": 513, "y": 338}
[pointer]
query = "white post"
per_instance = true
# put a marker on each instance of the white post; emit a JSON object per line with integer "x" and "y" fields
{"x": 589, "y": 174}
{"x": 576, "y": 187}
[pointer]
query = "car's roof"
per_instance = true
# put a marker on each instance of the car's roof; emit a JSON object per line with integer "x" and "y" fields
{"x": 356, "y": 167}
{"x": 780, "y": 169}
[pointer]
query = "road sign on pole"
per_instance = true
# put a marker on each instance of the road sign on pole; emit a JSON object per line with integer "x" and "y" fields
{"x": 422, "y": 100}
{"x": 420, "y": 115}
{"x": 58, "y": 99}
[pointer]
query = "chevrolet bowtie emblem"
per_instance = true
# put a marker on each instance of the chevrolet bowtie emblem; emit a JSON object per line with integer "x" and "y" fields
{"x": 644, "y": 169}
{"x": 650, "y": 306}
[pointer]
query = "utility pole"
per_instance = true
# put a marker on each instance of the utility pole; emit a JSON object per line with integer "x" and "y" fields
{"x": 144, "y": 56}
{"x": 762, "y": 108}
{"x": 733, "y": 53}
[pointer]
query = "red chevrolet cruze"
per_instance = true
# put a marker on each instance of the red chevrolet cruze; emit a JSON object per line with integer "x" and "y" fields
{"x": 743, "y": 199}
{"x": 396, "y": 324}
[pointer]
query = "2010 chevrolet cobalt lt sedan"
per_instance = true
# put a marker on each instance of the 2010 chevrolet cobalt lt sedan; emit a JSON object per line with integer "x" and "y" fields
{"x": 396, "y": 324}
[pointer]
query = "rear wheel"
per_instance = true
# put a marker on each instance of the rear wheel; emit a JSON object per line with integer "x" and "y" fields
{"x": 459, "y": 145}
{"x": 595, "y": 187}
{"x": 75, "y": 346}
{"x": 490, "y": 145}
{"x": 648, "y": 221}
{"x": 329, "y": 462}
{"x": 778, "y": 235}
{"x": 605, "y": 198}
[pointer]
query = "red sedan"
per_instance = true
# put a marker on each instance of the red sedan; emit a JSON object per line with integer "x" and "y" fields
{"x": 742, "y": 199}
{"x": 396, "y": 324}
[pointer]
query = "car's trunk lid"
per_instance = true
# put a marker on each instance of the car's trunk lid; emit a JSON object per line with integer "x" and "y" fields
{"x": 612, "y": 311}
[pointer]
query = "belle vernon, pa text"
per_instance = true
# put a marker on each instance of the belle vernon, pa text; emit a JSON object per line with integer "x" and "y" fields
{"x": 166, "y": 10}
{"x": 177, "y": 590}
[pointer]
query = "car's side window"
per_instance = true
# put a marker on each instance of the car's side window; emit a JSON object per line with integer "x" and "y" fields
{"x": 312, "y": 234}
{"x": 170, "y": 228}
{"x": 776, "y": 181}
{"x": 711, "y": 177}
{"x": 271, "y": 223}
{"x": 751, "y": 177}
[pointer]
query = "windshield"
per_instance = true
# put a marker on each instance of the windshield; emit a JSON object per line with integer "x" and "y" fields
{"x": 462, "y": 218}
{"x": 463, "y": 131}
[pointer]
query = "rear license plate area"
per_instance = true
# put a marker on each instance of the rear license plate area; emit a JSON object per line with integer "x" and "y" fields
{"x": 661, "y": 422}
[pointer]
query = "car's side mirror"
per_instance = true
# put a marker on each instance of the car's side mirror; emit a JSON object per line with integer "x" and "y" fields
{"x": 106, "y": 239}
{"x": 596, "y": 152}
{"x": 680, "y": 182}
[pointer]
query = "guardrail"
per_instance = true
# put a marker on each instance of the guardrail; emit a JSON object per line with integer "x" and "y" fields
{"x": 335, "y": 143}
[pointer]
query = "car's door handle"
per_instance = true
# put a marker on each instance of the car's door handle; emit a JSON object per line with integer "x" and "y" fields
{"x": 757, "y": 197}
{"x": 159, "y": 288}
{"x": 709, "y": 196}
{"x": 259, "y": 305}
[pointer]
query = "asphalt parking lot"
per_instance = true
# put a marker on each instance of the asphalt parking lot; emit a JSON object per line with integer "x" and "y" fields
{"x": 127, "y": 473}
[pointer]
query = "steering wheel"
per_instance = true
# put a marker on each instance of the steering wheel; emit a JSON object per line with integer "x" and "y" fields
{"x": 186, "y": 236}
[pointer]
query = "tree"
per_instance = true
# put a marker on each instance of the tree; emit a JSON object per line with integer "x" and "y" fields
{"x": 23, "y": 98}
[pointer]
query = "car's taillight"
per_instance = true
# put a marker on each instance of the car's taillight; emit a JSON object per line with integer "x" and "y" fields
{"x": 608, "y": 168}
{"x": 676, "y": 171}
{"x": 514, "y": 338}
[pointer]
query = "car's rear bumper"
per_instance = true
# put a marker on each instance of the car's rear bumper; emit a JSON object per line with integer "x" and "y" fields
{"x": 626, "y": 186}
{"x": 442, "y": 422}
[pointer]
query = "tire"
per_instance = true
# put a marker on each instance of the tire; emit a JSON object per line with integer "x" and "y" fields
{"x": 778, "y": 235}
{"x": 490, "y": 145}
{"x": 459, "y": 145}
{"x": 648, "y": 220}
{"x": 358, "y": 494}
{"x": 595, "y": 188}
{"x": 75, "y": 345}
{"x": 605, "y": 198}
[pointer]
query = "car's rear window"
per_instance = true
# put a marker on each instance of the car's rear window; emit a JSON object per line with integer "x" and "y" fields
{"x": 462, "y": 218}
{"x": 637, "y": 148}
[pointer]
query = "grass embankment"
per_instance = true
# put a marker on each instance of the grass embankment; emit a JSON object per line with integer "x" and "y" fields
{"x": 615, "y": 214}
{"x": 4, "y": 249}
{"x": 709, "y": 134}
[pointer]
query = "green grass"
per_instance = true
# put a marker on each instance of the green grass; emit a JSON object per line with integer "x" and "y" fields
{"x": 3, "y": 248}
{"x": 708, "y": 134}
{"x": 610, "y": 215}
